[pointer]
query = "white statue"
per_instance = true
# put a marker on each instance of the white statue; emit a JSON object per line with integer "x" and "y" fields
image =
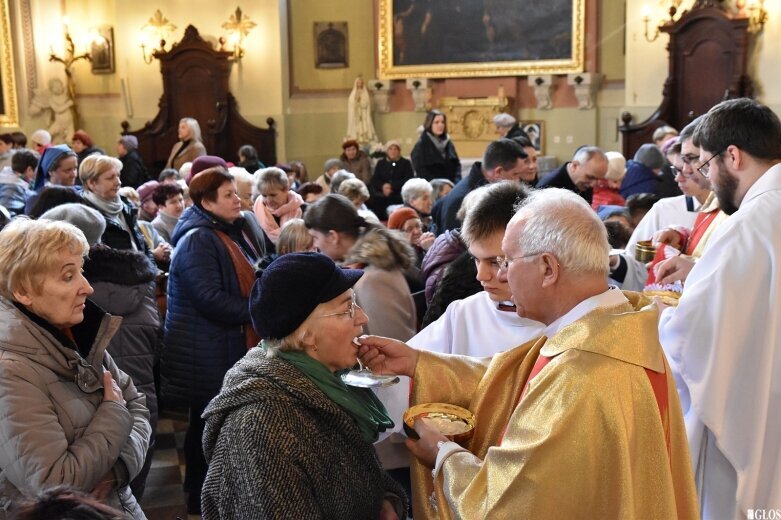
{"x": 359, "y": 116}
{"x": 56, "y": 99}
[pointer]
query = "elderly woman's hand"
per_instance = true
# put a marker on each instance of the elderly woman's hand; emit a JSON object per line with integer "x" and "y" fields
{"x": 111, "y": 391}
{"x": 388, "y": 356}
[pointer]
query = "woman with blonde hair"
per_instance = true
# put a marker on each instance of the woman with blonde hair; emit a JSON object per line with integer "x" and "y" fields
{"x": 99, "y": 176}
{"x": 295, "y": 238}
{"x": 189, "y": 146}
{"x": 70, "y": 415}
{"x": 277, "y": 203}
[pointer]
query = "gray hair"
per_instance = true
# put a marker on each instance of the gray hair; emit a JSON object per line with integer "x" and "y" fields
{"x": 504, "y": 120}
{"x": 414, "y": 188}
{"x": 586, "y": 153}
{"x": 354, "y": 189}
{"x": 338, "y": 178}
{"x": 561, "y": 223}
{"x": 332, "y": 163}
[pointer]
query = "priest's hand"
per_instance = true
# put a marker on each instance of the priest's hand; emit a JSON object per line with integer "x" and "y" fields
{"x": 425, "y": 448}
{"x": 387, "y": 356}
{"x": 669, "y": 237}
{"x": 673, "y": 269}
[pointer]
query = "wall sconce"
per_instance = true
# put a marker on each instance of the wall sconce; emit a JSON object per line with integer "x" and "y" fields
{"x": 756, "y": 13}
{"x": 672, "y": 11}
{"x": 238, "y": 26}
{"x": 157, "y": 27}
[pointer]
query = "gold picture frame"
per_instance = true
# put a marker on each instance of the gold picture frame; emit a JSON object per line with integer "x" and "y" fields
{"x": 431, "y": 60}
{"x": 9, "y": 116}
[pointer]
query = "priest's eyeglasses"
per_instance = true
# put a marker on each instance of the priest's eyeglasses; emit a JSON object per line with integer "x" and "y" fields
{"x": 350, "y": 312}
{"x": 705, "y": 168}
{"x": 504, "y": 261}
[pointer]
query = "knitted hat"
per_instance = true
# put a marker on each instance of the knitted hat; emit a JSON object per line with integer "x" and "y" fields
{"x": 47, "y": 160}
{"x": 616, "y": 166}
{"x": 81, "y": 135}
{"x": 350, "y": 142}
{"x": 400, "y": 216}
{"x": 130, "y": 142}
{"x": 650, "y": 156}
{"x": 146, "y": 190}
{"x": 41, "y": 137}
{"x": 88, "y": 220}
{"x": 393, "y": 142}
{"x": 205, "y": 162}
{"x": 291, "y": 287}
{"x": 669, "y": 144}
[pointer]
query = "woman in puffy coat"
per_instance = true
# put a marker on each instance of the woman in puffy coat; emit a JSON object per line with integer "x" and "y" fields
{"x": 207, "y": 326}
{"x": 70, "y": 416}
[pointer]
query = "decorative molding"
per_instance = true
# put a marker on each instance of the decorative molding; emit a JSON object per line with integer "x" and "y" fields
{"x": 30, "y": 68}
{"x": 586, "y": 85}
{"x": 421, "y": 94}
{"x": 380, "y": 92}
{"x": 542, "y": 84}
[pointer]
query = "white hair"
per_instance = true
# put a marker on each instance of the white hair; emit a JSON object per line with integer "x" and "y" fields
{"x": 241, "y": 174}
{"x": 561, "y": 223}
{"x": 414, "y": 188}
{"x": 504, "y": 120}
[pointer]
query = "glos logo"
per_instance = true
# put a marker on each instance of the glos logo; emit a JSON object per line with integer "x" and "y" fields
{"x": 764, "y": 514}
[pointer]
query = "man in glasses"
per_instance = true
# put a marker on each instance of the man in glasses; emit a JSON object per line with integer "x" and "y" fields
{"x": 583, "y": 422}
{"x": 580, "y": 175}
{"x": 723, "y": 338}
{"x": 479, "y": 325}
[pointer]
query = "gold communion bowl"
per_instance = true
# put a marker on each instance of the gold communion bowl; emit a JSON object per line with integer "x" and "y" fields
{"x": 454, "y": 422}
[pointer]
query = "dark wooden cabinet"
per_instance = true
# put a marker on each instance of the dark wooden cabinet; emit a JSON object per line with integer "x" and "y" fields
{"x": 195, "y": 84}
{"x": 708, "y": 54}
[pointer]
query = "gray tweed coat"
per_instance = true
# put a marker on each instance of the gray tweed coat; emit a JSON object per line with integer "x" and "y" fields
{"x": 279, "y": 448}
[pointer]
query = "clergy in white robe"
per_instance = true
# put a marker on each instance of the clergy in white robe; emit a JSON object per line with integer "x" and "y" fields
{"x": 723, "y": 341}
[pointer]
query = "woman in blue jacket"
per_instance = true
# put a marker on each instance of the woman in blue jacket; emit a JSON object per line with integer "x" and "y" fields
{"x": 207, "y": 326}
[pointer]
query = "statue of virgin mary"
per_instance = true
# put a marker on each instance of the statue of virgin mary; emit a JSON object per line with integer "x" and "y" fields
{"x": 359, "y": 116}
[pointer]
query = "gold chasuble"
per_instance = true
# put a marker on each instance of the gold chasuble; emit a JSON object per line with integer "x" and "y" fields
{"x": 597, "y": 433}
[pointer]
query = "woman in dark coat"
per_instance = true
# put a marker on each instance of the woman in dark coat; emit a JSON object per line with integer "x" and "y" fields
{"x": 434, "y": 156}
{"x": 390, "y": 174}
{"x": 207, "y": 325}
{"x": 286, "y": 438}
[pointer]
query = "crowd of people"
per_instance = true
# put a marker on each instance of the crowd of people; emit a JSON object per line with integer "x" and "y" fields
{"x": 587, "y": 318}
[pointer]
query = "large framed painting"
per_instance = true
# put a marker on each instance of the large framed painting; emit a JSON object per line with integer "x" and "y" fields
{"x": 468, "y": 38}
{"x": 8, "y": 110}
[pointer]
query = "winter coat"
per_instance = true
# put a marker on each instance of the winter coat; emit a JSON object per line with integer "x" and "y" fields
{"x": 639, "y": 178}
{"x": 55, "y": 427}
{"x": 124, "y": 283}
{"x": 458, "y": 282}
{"x": 429, "y": 163}
{"x": 445, "y": 209}
{"x": 192, "y": 150}
{"x": 382, "y": 291}
{"x": 560, "y": 178}
{"x": 13, "y": 192}
{"x": 115, "y": 235}
{"x": 206, "y": 316}
{"x": 395, "y": 173}
{"x": 134, "y": 172}
{"x": 361, "y": 166}
{"x": 447, "y": 247}
{"x": 277, "y": 447}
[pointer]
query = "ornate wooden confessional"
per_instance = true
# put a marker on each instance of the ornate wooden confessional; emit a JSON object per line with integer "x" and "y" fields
{"x": 195, "y": 84}
{"x": 708, "y": 58}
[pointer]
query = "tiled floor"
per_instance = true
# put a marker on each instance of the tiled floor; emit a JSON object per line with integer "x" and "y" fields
{"x": 163, "y": 498}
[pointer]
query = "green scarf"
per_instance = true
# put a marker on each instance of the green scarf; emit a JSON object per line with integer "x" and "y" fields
{"x": 360, "y": 403}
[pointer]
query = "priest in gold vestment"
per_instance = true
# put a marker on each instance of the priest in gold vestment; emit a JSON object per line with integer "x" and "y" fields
{"x": 584, "y": 422}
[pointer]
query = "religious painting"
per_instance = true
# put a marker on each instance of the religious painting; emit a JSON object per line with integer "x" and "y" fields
{"x": 102, "y": 50}
{"x": 472, "y": 38}
{"x": 8, "y": 110}
{"x": 534, "y": 129}
{"x": 330, "y": 45}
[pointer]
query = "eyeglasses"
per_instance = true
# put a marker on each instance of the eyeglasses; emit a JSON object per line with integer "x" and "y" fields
{"x": 351, "y": 312}
{"x": 504, "y": 262}
{"x": 705, "y": 168}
